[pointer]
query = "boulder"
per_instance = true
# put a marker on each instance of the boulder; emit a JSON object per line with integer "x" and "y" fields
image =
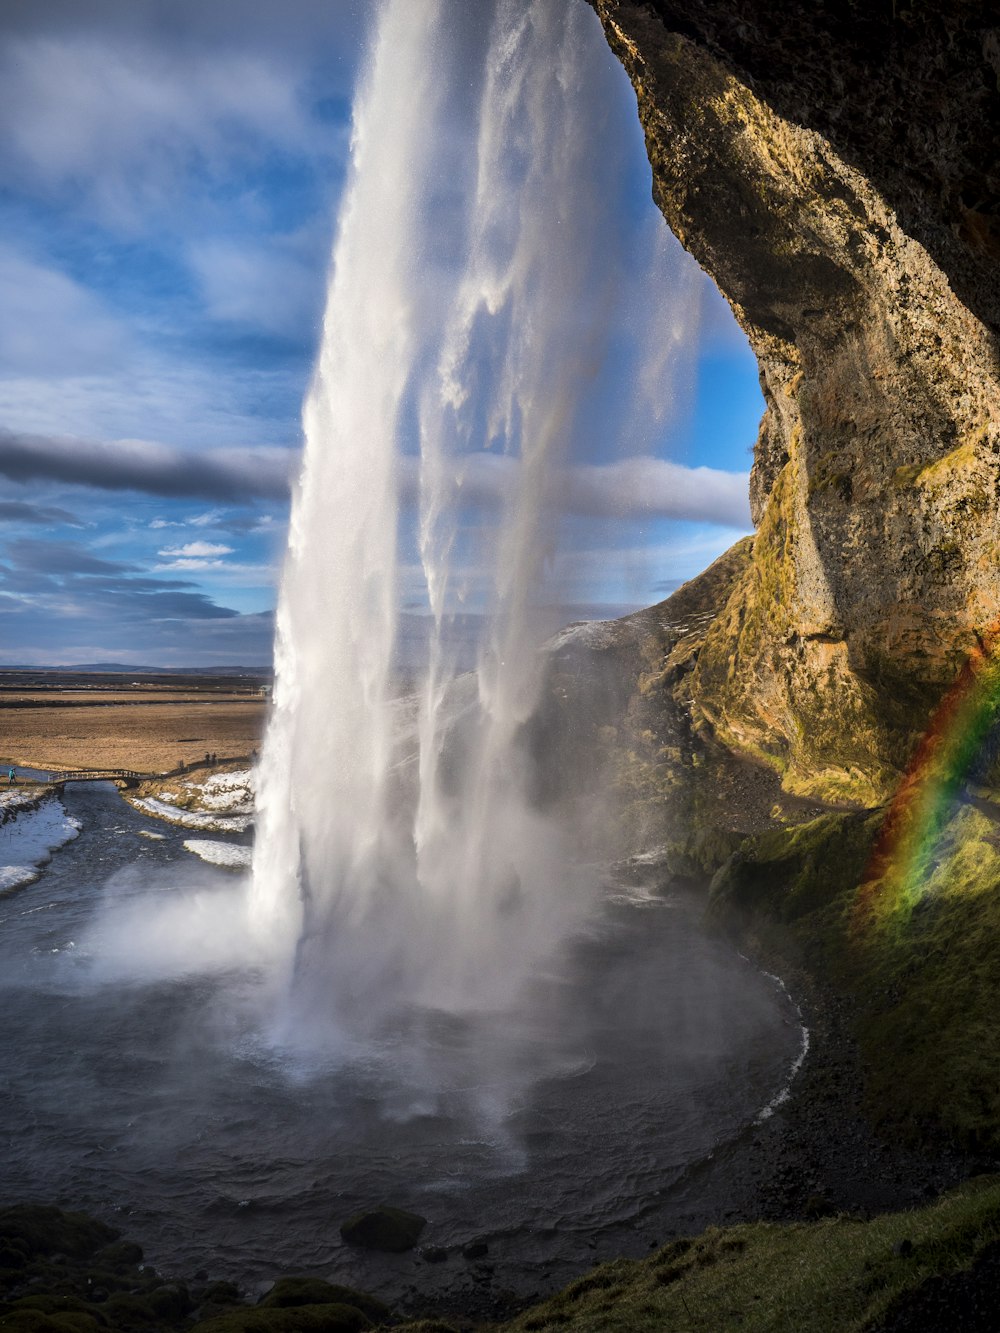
{"x": 290, "y": 1292}
{"x": 434, "y": 1254}
{"x": 384, "y": 1228}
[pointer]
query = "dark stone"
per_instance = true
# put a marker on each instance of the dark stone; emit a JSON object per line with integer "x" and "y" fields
{"x": 434, "y": 1254}
{"x": 476, "y": 1249}
{"x": 384, "y": 1228}
{"x": 290, "y": 1292}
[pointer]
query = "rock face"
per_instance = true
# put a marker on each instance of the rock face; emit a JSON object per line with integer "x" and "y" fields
{"x": 834, "y": 169}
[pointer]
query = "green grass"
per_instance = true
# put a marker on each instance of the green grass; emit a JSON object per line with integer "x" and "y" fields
{"x": 832, "y": 1276}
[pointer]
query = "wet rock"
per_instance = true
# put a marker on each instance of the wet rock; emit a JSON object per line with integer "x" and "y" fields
{"x": 476, "y": 1249}
{"x": 384, "y": 1228}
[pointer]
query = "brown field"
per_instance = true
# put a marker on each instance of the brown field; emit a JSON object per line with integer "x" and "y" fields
{"x": 150, "y": 730}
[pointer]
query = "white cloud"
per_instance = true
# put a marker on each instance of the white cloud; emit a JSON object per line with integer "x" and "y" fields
{"x": 266, "y": 288}
{"x": 197, "y": 549}
{"x": 190, "y": 563}
{"x": 659, "y": 488}
{"x": 629, "y": 488}
{"x": 51, "y": 326}
{"x": 121, "y": 120}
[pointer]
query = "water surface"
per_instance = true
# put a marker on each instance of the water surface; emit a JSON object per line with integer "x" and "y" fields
{"x": 561, "y": 1131}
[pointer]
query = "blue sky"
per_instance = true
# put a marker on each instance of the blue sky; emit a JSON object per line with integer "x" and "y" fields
{"x": 169, "y": 178}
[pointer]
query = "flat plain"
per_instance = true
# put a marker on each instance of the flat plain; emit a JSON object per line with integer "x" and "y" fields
{"x": 151, "y": 723}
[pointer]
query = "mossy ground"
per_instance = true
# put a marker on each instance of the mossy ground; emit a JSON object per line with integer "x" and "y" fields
{"x": 919, "y": 962}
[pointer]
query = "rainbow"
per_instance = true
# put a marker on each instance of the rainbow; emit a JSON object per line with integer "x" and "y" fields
{"x": 905, "y": 852}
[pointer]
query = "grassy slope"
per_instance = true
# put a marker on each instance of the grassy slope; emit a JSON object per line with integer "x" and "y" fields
{"x": 828, "y": 1277}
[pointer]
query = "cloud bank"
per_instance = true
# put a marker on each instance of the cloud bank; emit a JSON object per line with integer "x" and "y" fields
{"x": 629, "y": 488}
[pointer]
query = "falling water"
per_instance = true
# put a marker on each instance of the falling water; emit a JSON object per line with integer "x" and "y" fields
{"x": 478, "y": 309}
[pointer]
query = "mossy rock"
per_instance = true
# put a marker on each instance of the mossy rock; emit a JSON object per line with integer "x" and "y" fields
{"x": 428, "y": 1326}
{"x": 289, "y": 1292}
{"x": 122, "y": 1254}
{"x": 221, "y": 1293}
{"x": 37, "y": 1321}
{"x": 125, "y": 1311}
{"x": 170, "y": 1302}
{"x": 333, "y": 1318}
{"x": 14, "y": 1255}
{"x": 42, "y": 1230}
{"x": 384, "y": 1228}
{"x": 47, "y": 1303}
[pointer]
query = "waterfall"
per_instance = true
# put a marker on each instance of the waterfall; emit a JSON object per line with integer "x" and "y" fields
{"x": 479, "y": 306}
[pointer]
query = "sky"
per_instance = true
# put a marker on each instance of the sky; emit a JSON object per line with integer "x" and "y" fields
{"x": 170, "y": 172}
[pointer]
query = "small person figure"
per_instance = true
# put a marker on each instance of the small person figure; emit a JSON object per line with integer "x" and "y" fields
{"x": 11, "y": 777}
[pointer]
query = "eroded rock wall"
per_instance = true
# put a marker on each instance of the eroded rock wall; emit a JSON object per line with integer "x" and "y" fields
{"x": 876, "y": 482}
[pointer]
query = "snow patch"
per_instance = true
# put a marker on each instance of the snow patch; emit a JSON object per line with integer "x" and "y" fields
{"x": 211, "y": 823}
{"x": 227, "y": 854}
{"x": 28, "y": 839}
{"x": 229, "y": 793}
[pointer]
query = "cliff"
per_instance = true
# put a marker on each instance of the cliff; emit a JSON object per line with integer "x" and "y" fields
{"x": 833, "y": 167}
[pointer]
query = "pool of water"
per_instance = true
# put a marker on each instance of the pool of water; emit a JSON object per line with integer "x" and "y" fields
{"x": 561, "y": 1131}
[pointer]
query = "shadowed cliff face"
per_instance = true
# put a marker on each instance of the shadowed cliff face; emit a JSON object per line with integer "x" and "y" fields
{"x": 833, "y": 172}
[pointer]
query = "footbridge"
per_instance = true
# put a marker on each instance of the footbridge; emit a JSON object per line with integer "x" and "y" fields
{"x": 129, "y": 777}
